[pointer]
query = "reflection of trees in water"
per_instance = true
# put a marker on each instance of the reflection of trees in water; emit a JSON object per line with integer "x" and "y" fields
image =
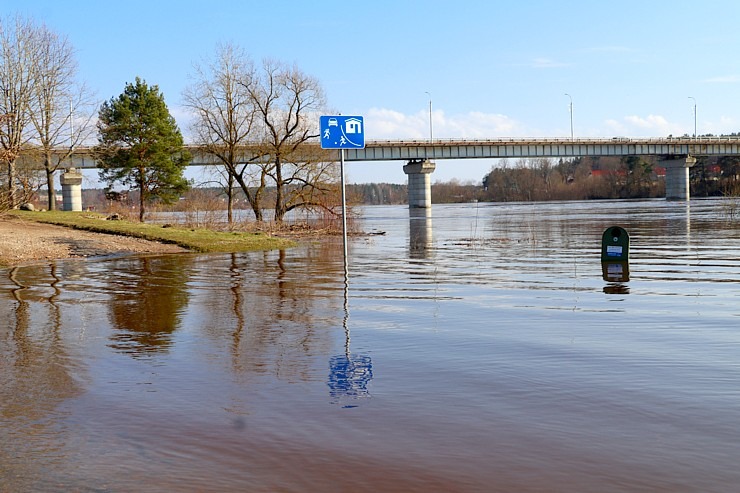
{"x": 236, "y": 284}
{"x": 147, "y": 302}
{"x": 34, "y": 362}
{"x": 278, "y": 311}
{"x": 35, "y": 375}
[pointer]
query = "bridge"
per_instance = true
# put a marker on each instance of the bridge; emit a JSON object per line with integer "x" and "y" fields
{"x": 676, "y": 154}
{"x": 394, "y": 150}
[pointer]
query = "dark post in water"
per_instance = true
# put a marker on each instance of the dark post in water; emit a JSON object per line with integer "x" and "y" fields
{"x": 615, "y": 252}
{"x": 615, "y": 245}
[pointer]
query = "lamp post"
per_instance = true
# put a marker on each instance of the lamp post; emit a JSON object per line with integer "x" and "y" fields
{"x": 693, "y": 99}
{"x": 71, "y": 125}
{"x": 570, "y": 106}
{"x": 431, "y": 135}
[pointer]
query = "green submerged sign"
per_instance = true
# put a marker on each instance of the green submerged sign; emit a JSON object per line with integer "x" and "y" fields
{"x": 615, "y": 245}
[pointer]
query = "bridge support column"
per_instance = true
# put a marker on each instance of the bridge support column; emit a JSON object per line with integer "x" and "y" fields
{"x": 677, "y": 177}
{"x": 420, "y": 183}
{"x": 71, "y": 190}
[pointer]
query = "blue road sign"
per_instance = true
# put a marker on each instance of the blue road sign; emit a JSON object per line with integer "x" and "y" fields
{"x": 342, "y": 132}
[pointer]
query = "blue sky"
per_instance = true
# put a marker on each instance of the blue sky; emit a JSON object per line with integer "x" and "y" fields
{"x": 491, "y": 68}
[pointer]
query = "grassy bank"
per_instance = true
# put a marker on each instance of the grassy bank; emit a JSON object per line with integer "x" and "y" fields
{"x": 198, "y": 240}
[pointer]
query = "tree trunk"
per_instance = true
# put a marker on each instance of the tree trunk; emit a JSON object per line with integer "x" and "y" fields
{"x": 141, "y": 206}
{"x": 142, "y": 174}
{"x": 254, "y": 200}
{"x": 279, "y": 206}
{"x": 257, "y": 209}
{"x": 230, "y": 199}
{"x": 51, "y": 194}
{"x": 11, "y": 184}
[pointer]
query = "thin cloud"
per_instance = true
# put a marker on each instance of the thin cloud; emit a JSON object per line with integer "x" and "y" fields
{"x": 547, "y": 63}
{"x": 727, "y": 122}
{"x": 383, "y": 123}
{"x": 615, "y": 127}
{"x": 725, "y": 79}
{"x": 608, "y": 49}
{"x": 650, "y": 121}
{"x": 644, "y": 126}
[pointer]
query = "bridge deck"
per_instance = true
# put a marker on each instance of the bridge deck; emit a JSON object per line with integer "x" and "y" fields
{"x": 406, "y": 150}
{"x": 528, "y": 148}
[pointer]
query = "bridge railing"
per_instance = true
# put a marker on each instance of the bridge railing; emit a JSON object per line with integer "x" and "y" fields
{"x": 550, "y": 140}
{"x": 497, "y": 148}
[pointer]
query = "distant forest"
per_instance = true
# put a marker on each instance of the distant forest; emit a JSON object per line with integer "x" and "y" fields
{"x": 575, "y": 179}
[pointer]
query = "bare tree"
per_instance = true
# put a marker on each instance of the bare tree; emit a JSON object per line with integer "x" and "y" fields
{"x": 288, "y": 102}
{"x": 224, "y": 124}
{"x": 39, "y": 93}
{"x": 18, "y": 41}
{"x": 61, "y": 109}
{"x": 258, "y": 124}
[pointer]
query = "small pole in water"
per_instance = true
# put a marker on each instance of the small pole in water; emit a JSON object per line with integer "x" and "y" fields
{"x": 344, "y": 209}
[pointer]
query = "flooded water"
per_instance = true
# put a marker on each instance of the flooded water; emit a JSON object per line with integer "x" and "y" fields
{"x": 480, "y": 348}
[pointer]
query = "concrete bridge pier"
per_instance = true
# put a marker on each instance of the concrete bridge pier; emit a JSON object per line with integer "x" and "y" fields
{"x": 677, "y": 177}
{"x": 71, "y": 190}
{"x": 420, "y": 183}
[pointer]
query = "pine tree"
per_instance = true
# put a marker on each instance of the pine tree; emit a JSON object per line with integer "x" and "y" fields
{"x": 140, "y": 145}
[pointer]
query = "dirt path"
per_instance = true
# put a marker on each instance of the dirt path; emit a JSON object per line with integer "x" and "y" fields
{"x": 27, "y": 241}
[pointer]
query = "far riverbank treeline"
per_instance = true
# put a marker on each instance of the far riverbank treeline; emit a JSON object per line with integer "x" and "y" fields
{"x": 629, "y": 177}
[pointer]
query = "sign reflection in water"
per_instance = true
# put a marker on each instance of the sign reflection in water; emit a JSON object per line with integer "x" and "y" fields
{"x": 349, "y": 374}
{"x": 617, "y": 275}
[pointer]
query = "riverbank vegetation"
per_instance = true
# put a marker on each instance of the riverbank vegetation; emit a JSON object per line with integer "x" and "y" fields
{"x": 629, "y": 177}
{"x": 195, "y": 239}
{"x": 576, "y": 179}
{"x": 537, "y": 180}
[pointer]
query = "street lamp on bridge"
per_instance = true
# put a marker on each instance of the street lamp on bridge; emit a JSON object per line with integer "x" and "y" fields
{"x": 693, "y": 99}
{"x": 570, "y": 107}
{"x": 431, "y": 136}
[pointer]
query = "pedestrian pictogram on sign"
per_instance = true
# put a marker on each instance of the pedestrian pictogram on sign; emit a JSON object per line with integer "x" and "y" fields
{"x": 342, "y": 132}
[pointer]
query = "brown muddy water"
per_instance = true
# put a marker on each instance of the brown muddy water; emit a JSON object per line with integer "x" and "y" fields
{"x": 477, "y": 349}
